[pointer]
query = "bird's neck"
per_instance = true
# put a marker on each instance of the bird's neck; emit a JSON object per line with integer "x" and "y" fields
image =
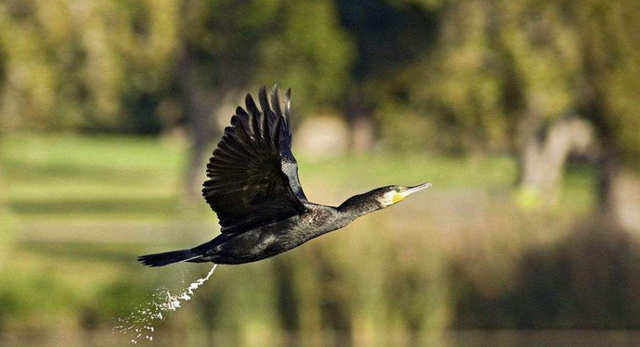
{"x": 358, "y": 205}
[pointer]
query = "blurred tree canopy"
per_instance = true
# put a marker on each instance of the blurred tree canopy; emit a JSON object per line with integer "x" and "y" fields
{"x": 443, "y": 75}
{"x": 83, "y": 64}
{"x": 499, "y": 64}
{"x": 112, "y": 65}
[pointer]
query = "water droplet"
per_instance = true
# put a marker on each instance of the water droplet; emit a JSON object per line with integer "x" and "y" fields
{"x": 159, "y": 308}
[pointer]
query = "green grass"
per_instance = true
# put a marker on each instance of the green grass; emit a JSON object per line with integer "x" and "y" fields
{"x": 394, "y": 168}
{"x": 105, "y": 178}
{"x": 68, "y": 177}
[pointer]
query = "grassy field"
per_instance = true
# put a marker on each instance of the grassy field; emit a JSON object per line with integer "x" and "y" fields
{"x": 64, "y": 178}
{"x": 81, "y": 208}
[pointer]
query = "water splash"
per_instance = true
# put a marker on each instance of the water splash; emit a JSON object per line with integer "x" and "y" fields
{"x": 143, "y": 321}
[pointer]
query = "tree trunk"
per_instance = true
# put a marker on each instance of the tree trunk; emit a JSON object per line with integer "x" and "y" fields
{"x": 200, "y": 126}
{"x": 544, "y": 154}
{"x": 361, "y": 124}
{"x": 618, "y": 191}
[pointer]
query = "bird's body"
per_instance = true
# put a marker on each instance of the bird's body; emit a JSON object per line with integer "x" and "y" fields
{"x": 254, "y": 188}
{"x": 269, "y": 240}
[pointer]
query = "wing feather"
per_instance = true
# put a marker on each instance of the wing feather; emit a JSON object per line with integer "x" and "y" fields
{"x": 250, "y": 173}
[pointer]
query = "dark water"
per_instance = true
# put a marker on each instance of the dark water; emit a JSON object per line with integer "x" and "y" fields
{"x": 435, "y": 339}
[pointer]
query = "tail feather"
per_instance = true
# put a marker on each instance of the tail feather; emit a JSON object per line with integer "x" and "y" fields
{"x": 166, "y": 258}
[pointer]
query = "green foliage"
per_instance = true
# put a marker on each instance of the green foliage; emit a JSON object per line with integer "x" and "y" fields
{"x": 612, "y": 63}
{"x": 21, "y": 297}
{"x": 106, "y": 65}
{"x": 309, "y": 52}
{"x": 496, "y": 64}
{"x": 69, "y": 64}
{"x": 466, "y": 74}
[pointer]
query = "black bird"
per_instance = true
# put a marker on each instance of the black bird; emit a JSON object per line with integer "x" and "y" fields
{"x": 254, "y": 188}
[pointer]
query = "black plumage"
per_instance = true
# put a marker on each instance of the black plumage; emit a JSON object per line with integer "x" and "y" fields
{"x": 254, "y": 189}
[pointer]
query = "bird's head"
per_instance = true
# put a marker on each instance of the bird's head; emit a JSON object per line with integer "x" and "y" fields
{"x": 392, "y": 195}
{"x": 378, "y": 198}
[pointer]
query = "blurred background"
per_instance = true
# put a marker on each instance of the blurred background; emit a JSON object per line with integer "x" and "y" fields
{"x": 525, "y": 116}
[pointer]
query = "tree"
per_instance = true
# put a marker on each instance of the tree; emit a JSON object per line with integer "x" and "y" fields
{"x": 86, "y": 65}
{"x": 611, "y": 81}
{"x": 502, "y": 73}
{"x": 230, "y": 47}
{"x": 388, "y": 38}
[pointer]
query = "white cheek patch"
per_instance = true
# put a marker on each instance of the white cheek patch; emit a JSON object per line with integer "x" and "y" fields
{"x": 387, "y": 198}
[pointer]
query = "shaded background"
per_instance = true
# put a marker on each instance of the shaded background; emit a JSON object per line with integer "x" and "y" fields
{"x": 524, "y": 116}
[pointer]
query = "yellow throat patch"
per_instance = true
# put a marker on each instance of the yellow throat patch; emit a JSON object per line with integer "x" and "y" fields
{"x": 397, "y": 198}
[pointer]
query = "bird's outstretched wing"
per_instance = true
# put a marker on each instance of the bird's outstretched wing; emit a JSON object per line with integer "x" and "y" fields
{"x": 289, "y": 164}
{"x": 253, "y": 177}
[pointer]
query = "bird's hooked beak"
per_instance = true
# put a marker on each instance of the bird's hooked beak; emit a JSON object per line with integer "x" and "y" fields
{"x": 410, "y": 190}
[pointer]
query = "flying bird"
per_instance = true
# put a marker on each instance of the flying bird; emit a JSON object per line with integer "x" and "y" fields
{"x": 254, "y": 189}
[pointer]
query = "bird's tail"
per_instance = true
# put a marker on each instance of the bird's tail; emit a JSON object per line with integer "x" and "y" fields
{"x": 166, "y": 258}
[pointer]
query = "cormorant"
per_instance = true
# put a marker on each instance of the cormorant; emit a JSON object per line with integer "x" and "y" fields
{"x": 254, "y": 189}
